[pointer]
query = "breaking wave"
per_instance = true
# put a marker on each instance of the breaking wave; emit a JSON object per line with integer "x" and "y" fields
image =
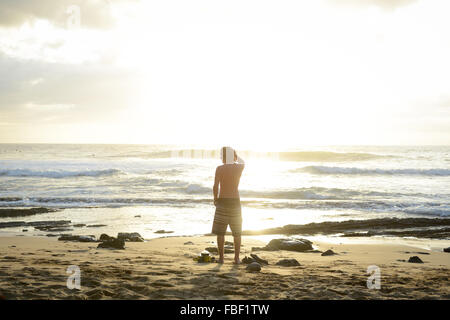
{"x": 362, "y": 171}
{"x": 58, "y": 173}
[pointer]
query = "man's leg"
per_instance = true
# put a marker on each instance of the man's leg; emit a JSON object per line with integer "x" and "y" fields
{"x": 220, "y": 246}
{"x": 237, "y": 248}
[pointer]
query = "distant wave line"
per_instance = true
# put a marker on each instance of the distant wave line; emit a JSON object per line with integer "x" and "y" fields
{"x": 305, "y": 156}
{"x": 58, "y": 173}
{"x": 375, "y": 171}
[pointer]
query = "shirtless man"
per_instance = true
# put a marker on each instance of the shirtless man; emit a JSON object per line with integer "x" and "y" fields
{"x": 227, "y": 202}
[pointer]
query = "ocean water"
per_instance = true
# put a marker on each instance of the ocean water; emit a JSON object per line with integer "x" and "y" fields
{"x": 170, "y": 187}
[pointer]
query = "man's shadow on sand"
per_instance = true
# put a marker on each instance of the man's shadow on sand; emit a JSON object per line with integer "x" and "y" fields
{"x": 234, "y": 267}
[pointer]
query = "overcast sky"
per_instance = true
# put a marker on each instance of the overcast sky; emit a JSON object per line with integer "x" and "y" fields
{"x": 248, "y": 73}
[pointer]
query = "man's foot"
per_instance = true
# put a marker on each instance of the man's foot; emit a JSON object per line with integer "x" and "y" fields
{"x": 237, "y": 261}
{"x": 220, "y": 260}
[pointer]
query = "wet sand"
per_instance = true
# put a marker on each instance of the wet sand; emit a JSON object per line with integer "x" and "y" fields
{"x": 163, "y": 268}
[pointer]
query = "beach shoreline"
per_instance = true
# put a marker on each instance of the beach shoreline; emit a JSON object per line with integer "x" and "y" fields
{"x": 163, "y": 268}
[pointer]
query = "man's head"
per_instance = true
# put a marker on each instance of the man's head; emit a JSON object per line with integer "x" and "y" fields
{"x": 228, "y": 155}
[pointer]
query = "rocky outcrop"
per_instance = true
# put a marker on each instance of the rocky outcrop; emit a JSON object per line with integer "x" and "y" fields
{"x": 299, "y": 245}
{"x": 12, "y": 224}
{"x": 77, "y": 238}
{"x": 369, "y": 227}
{"x": 163, "y": 231}
{"x": 328, "y": 253}
{"x": 130, "y": 236}
{"x": 40, "y": 225}
{"x": 51, "y": 226}
{"x": 54, "y": 229}
{"x": 288, "y": 263}
{"x": 415, "y": 259}
{"x": 112, "y": 244}
{"x": 447, "y": 249}
{"x": 105, "y": 237}
{"x": 22, "y": 212}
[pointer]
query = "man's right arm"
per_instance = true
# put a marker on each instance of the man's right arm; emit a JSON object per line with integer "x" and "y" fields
{"x": 216, "y": 185}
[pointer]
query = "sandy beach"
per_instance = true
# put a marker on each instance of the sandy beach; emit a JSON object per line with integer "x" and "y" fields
{"x": 163, "y": 268}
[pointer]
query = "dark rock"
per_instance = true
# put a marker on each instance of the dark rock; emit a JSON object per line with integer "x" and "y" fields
{"x": 415, "y": 259}
{"x": 163, "y": 231}
{"x": 215, "y": 250}
{"x": 189, "y": 243}
{"x": 96, "y": 225}
{"x": 52, "y": 235}
{"x": 299, "y": 245}
{"x": 328, "y": 253}
{"x": 53, "y": 229}
{"x": 50, "y": 223}
{"x": 79, "y": 225}
{"x": 447, "y": 249}
{"x": 105, "y": 237}
{"x": 418, "y": 252}
{"x": 258, "y": 259}
{"x": 40, "y": 225}
{"x": 16, "y": 212}
{"x": 77, "y": 238}
{"x": 288, "y": 263}
{"x": 12, "y": 224}
{"x": 130, "y": 236}
{"x": 253, "y": 267}
{"x": 112, "y": 244}
{"x": 248, "y": 260}
{"x": 137, "y": 216}
{"x": 52, "y": 226}
{"x": 25, "y": 230}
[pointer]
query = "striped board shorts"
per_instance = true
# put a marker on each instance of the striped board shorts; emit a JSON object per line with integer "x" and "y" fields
{"x": 228, "y": 212}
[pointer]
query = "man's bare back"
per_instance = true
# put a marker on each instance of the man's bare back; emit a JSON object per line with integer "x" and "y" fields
{"x": 227, "y": 178}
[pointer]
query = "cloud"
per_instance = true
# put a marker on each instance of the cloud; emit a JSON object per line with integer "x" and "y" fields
{"x": 35, "y": 91}
{"x": 94, "y": 13}
{"x": 384, "y": 4}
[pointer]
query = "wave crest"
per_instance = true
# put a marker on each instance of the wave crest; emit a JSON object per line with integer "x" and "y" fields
{"x": 375, "y": 171}
{"x": 58, "y": 173}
